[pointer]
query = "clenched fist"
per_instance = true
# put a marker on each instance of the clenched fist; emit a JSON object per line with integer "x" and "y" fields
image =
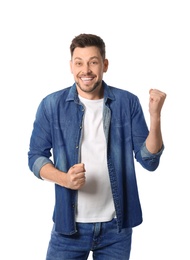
{"x": 75, "y": 177}
{"x": 156, "y": 102}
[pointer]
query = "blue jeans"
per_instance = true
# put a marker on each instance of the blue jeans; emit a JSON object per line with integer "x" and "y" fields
{"x": 102, "y": 239}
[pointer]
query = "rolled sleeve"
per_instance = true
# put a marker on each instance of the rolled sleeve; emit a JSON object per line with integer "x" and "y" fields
{"x": 146, "y": 154}
{"x": 38, "y": 164}
{"x": 150, "y": 161}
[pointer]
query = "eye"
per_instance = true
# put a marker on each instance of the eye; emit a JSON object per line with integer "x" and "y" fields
{"x": 78, "y": 63}
{"x": 93, "y": 62}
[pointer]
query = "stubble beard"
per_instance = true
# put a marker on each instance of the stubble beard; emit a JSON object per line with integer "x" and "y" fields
{"x": 89, "y": 89}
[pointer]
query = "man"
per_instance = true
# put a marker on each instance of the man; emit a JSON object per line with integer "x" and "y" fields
{"x": 94, "y": 132}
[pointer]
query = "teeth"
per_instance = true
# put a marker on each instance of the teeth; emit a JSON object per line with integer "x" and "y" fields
{"x": 86, "y": 79}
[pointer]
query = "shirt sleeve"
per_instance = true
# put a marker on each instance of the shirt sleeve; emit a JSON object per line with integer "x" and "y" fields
{"x": 40, "y": 142}
{"x": 149, "y": 160}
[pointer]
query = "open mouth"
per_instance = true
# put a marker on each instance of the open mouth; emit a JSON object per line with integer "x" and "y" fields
{"x": 87, "y": 79}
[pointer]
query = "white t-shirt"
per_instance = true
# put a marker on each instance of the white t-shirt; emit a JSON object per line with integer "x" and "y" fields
{"x": 95, "y": 201}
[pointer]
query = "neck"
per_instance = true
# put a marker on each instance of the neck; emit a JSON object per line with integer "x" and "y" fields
{"x": 96, "y": 94}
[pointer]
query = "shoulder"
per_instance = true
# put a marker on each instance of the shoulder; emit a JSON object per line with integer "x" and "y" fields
{"x": 123, "y": 94}
{"x": 54, "y": 98}
{"x": 57, "y": 95}
{"x": 52, "y": 101}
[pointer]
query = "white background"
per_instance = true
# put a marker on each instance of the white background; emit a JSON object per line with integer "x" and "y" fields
{"x": 148, "y": 46}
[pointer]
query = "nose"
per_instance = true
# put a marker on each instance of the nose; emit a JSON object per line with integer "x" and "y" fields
{"x": 86, "y": 68}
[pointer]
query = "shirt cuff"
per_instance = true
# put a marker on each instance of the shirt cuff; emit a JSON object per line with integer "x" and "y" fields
{"x": 145, "y": 153}
{"x": 39, "y": 163}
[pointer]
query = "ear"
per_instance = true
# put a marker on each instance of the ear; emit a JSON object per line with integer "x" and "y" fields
{"x": 71, "y": 67}
{"x": 106, "y": 64}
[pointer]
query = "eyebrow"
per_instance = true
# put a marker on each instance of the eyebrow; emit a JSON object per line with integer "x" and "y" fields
{"x": 91, "y": 58}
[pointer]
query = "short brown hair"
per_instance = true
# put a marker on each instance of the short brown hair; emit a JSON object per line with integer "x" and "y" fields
{"x": 86, "y": 40}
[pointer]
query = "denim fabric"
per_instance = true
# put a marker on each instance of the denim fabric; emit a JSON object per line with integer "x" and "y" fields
{"x": 58, "y": 128}
{"x": 100, "y": 238}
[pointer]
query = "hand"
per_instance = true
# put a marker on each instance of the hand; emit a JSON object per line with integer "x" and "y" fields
{"x": 75, "y": 177}
{"x": 156, "y": 102}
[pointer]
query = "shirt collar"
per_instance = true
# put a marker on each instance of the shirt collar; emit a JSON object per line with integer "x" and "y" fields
{"x": 73, "y": 95}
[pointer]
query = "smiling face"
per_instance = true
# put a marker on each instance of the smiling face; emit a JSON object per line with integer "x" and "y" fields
{"x": 87, "y": 67}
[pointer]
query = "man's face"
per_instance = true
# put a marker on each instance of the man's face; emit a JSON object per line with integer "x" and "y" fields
{"x": 87, "y": 67}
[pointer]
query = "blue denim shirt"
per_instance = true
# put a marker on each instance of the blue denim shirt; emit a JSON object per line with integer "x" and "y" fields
{"x": 56, "y": 139}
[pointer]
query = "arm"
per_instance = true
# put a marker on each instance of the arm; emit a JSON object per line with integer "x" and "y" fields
{"x": 73, "y": 179}
{"x": 40, "y": 152}
{"x": 154, "y": 140}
